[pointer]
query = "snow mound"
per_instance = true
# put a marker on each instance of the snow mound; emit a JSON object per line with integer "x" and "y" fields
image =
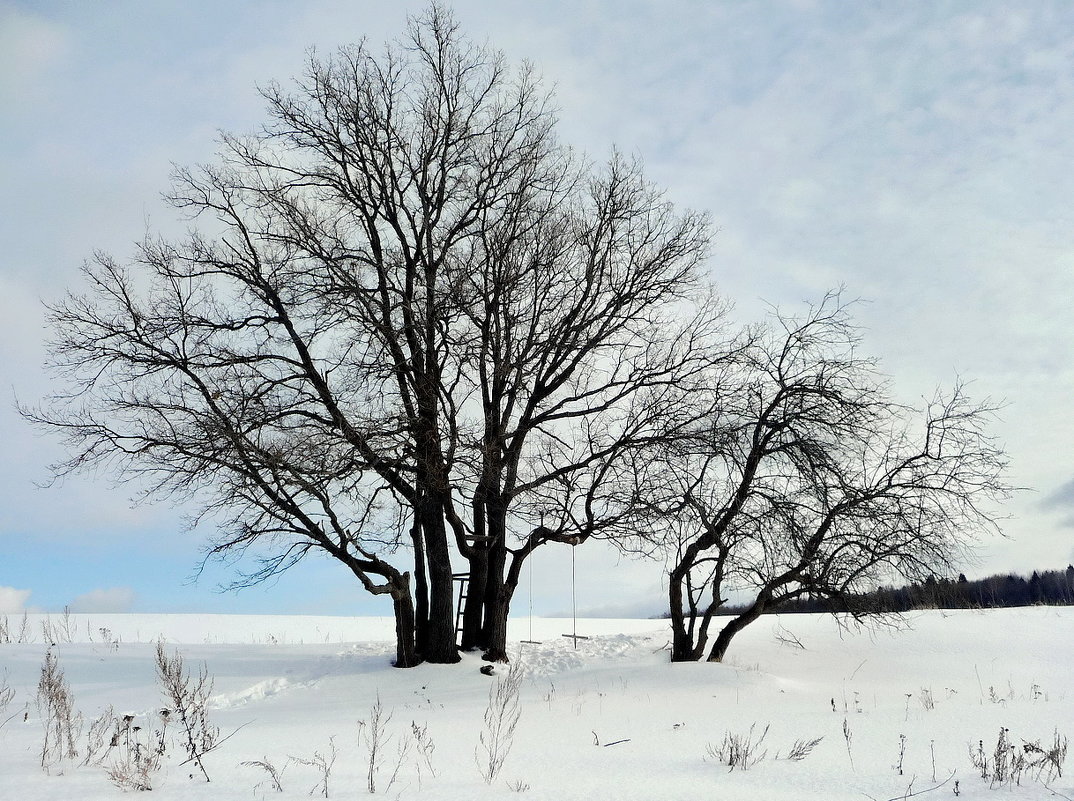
{"x": 258, "y": 692}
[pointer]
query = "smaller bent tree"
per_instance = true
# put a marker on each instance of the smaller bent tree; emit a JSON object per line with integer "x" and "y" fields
{"x": 808, "y": 479}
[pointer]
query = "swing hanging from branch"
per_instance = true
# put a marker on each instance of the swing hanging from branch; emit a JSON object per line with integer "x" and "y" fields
{"x": 574, "y": 635}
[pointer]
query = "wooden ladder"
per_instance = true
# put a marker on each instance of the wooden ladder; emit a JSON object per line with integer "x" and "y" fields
{"x": 463, "y": 580}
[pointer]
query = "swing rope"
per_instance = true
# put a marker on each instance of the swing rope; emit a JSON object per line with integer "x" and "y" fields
{"x": 531, "y": 597}
{"x": 574, "y": 599}
{"x": 532, "y": 641}
{"x": 574, "y": 635}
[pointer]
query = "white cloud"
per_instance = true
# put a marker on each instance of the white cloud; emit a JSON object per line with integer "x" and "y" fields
{"x": 29, "y": 46}
{"x": 113, "y": 599}
{"x": 13, "y": 601}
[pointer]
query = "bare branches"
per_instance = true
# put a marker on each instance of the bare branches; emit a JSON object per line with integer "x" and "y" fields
{"x": 407, "y": 312}
{"x": 807, "y": 479}
{"x": 188, "y": 697}
{"x": 501, "y": 719}
{"x": 62, "y": 723}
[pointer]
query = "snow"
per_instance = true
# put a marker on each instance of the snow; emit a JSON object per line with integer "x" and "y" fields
{"x": 608, "y": 719}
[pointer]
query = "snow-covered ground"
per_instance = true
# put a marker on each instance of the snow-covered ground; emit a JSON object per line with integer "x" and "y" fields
{"x": 608, "y": 719}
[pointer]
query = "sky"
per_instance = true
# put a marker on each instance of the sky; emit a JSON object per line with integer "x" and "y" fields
{"x": 918, "y": 154}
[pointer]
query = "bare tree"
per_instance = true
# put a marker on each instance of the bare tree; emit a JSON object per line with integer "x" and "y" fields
{"x": 807, "y": 478}
{"x": 587, "y": 336}
{"x": 409, "y": 321}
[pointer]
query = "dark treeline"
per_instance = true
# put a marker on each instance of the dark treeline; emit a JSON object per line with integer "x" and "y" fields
{"x": 1053, "y": 587}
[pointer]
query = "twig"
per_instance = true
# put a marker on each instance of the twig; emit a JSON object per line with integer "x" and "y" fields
{"x": 218, "y": 743}
{"x": 909, "y": 794}
{"x": 616, "y": 742}
{"x": 785, "y": 636}
{"x": 1056, "y": 792}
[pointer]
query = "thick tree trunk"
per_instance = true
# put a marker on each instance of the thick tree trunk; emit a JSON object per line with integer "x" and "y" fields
{"x": 494, "y": 588}
{"x": 421, "y": 589}
{"x": 473, "y": 609}
{"x": 682, "y": 644}
{"x": 405, "y": 652}
{"x": 683, "y": 647}
{"x": 727, "y": 633}
{"x": 496, "y": 625}
{"x": 498, "y": 591}
{"x": 439, "y": 645}
{"x": 438, "y": 641}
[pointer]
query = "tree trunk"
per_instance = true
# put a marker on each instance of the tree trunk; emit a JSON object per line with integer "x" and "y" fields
{"x": 683, "y": 648}
{"x": 498, "y": 592}
{"x": 496, "y": 613}
{"x": 440, "y": 645}
{"x": 727, "y": 633}
{"x": 405, "y": 652}
{"x": 682, "y": 644}
{"x": 473, "y": 610}
{"x": 421, "y": 589}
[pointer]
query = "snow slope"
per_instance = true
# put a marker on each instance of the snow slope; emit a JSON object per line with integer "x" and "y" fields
{"x": 608, "y": 719}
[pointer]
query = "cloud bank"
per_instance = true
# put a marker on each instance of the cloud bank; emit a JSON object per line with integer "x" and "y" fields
{"x": 112, "y": 599}
{"x": 13, "y": 601}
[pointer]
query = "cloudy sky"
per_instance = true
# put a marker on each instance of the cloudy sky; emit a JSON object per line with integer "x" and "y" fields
{"x": 918, "y": 153}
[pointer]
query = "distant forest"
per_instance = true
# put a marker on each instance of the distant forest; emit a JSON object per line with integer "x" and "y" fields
{"x": 1051, "y": 587}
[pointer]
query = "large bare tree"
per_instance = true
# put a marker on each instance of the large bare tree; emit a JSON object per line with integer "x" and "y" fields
{"x": 588, "y": 331}
{"x": 807, "y": 479}
{"x": 407, "y": 324}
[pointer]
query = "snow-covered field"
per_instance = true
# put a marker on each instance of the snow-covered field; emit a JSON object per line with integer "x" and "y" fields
{"x": 610, "y": 719}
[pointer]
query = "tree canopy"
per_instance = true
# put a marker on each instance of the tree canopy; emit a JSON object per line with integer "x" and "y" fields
{"x": 407, "y": 326}
{"x": 803, "y": 477}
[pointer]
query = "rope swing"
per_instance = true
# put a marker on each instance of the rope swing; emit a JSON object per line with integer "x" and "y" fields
{"x": 575, "y": 637}
{"x": 531, "y": 641}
